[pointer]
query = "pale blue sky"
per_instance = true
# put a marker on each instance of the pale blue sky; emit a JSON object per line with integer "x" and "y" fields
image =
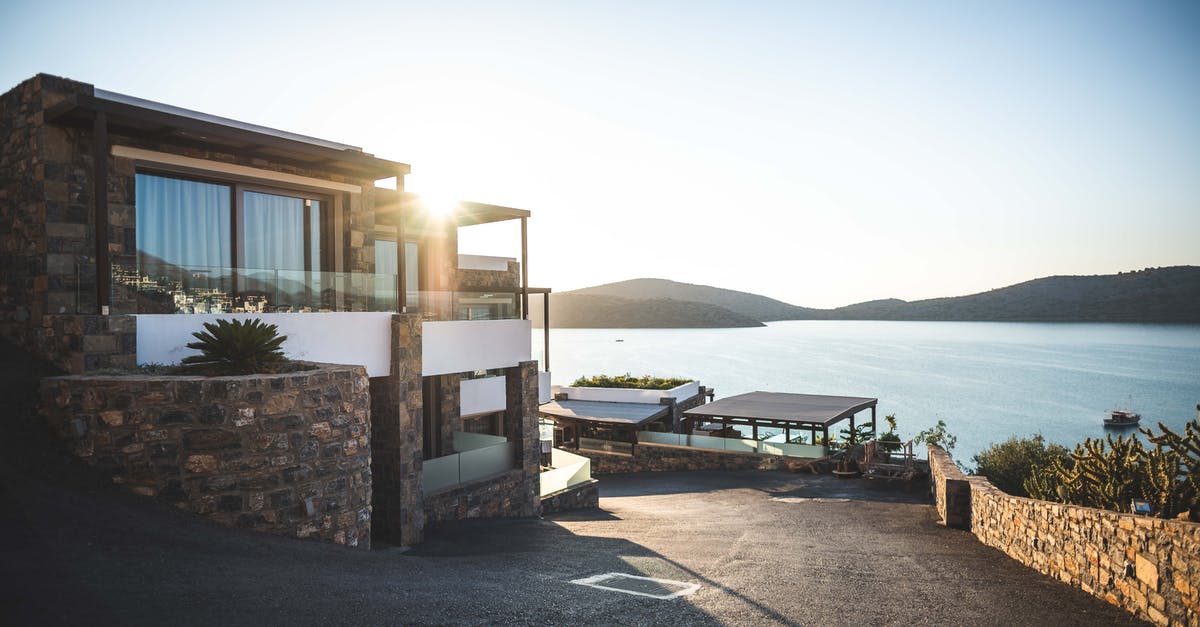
{"x": 818, "y": 154}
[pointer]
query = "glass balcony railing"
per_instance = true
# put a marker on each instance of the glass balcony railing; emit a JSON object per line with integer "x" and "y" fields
{"x": 167, "y": 289}
{"x": 476, "y": 457}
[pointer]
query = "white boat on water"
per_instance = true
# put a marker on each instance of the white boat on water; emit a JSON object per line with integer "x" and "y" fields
{"x": 1122, "y": 418}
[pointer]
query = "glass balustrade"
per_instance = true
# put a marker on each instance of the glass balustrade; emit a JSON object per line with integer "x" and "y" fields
{"x": 172, "y": 289}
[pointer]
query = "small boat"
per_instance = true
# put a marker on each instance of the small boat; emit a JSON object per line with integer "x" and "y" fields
{"x": 1122, "y": 418}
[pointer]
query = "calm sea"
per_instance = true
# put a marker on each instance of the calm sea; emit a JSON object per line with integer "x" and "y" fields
{"x": 988, "y": 380}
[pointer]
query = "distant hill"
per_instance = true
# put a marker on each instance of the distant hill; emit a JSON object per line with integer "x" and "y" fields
{"x": 1152, "y": 295}
{"x": 750, "y": 305}
{"x": 588, "y": 311}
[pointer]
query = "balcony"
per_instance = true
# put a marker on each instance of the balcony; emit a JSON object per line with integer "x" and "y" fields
{"x": 476, "y": 457}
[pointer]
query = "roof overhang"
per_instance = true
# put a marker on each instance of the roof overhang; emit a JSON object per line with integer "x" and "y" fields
{"x": 464, "y": 213}
{"x": 136, "y": 117}
{"x": 605, "y": 413}
{"x": 780, "y": 407}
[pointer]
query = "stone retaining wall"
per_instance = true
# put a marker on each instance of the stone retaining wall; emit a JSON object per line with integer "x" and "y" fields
{"x": 505, "y": 496}
{"x": 287, "y": 454}
{"x": 1148, "y": 566}
{"x": 662, "y": 457}
{"x": 583, "y": 496}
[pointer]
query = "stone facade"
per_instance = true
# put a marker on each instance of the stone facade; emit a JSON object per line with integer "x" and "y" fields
{"x": 286, "y": 453}
{"x": 583, "y": 496}
{"x": 660, "y": 457}
{"x": 396, "y": 438}
{"x": 1148, "y": 566}
{"x": 491, "y": 279}
{"x": 49, "y": 303}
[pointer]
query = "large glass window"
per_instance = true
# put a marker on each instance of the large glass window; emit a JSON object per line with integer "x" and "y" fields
{"x": 190, "y": 262}
{"x": 183, "y": 223}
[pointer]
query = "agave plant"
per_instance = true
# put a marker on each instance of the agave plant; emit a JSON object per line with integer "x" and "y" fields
{"x": 233, "y": 347}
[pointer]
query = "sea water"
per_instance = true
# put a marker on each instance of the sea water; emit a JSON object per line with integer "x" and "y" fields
{"x": 988, "y": 381}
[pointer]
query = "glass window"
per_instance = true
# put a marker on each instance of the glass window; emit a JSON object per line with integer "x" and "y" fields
{"x": 386, "y": 259}
{"x": 182, "y": 224}
{"x": 412, "y": 276}
{"x": 280, "y": 232}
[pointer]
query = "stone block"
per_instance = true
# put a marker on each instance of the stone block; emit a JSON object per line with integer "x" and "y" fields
{"x": 1147, "y": 571}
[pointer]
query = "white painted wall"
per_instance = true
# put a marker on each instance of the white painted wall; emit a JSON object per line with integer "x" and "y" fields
{"x": 483, "y": 262}
{"x": 545, "y": 393}
{"x": 480, "y": 396}
{"x": 467, "y": 345}
{"x": 623, "y": 395}
{"x": 357, "y": 338}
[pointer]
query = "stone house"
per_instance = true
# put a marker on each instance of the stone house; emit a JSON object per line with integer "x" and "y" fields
{"x": 126, "y": 223}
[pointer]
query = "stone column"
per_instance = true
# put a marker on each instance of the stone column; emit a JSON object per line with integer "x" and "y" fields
{"x": 521, "y": 427}
{"x": 396, "y": 438}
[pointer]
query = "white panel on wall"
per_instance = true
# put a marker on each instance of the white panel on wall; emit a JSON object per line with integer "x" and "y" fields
{"x": 357, "y": 338}
{"x": 469, "y": 345}
{"x": 480, "y": 396}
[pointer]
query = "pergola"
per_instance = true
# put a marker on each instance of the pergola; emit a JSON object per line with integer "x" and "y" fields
{"x": 811, "y": 412}
{"x": 623, "y": 418}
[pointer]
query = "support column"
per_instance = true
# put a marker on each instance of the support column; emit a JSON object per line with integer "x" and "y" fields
{"x": 100, "y": 211}
{"x": 525, "y": 271}
{"x": 521, "y": 428}
{"x": 396, "y": 439}
{"x": 874, "y": 431}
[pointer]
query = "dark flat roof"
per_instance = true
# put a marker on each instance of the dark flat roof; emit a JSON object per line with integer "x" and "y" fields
{"x": 623, "y": 414}
{"x": 800, "y": 408}
{"x": 137, "y": 117}
{"x": 390, "y": 204}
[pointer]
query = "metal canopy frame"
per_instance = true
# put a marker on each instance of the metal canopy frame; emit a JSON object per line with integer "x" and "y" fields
{"x": 806, "y": 412}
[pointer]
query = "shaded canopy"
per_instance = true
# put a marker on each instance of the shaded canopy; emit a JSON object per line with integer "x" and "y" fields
{"x": 605, "y": 413}
{"x": 801, "y": 409}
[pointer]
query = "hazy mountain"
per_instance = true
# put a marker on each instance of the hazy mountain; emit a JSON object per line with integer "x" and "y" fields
{"x": 1152, "y": 295}
{"x": 744, "y": 303}
{"x": 574, "y": 310}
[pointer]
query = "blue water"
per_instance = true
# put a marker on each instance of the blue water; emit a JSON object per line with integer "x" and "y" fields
{"x": 988, "y": 380}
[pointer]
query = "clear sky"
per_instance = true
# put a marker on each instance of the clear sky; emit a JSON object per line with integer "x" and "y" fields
{"x": 821, "y": 153}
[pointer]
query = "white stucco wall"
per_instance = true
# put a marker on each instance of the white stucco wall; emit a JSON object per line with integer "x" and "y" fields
{"x": 469, "y": 345}
{"x": 624, "y": 395}
{"x": 478, "y": 396}
{"x": 357, "y": 338}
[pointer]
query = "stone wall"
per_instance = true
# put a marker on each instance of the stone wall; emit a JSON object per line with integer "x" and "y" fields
{"x": 491, "y": 279}
{"x": 952, "y": 490}
{"x": 1148, "y": 566}
{"x": 287, "y": 454}
{"x": 505, "y": 496}
{"x": 397, "y": 434}
{"x": 661, "y": 457}
{"x": 583, "y": 496}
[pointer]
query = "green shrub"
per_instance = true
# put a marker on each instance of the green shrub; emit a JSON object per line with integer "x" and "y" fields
{"x": 939, "y": 435}
{"x": 1008, "y": 465}
{"x": 645, "y": 382}
{"x": 233, "y": 347}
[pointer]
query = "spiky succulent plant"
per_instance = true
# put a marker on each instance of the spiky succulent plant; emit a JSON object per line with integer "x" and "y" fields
{"x": 234, "y": 347}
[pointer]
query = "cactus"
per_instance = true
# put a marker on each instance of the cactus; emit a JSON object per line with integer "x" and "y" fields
{"x": 1110, "y": 473}
{"x": 1186, "y": 448}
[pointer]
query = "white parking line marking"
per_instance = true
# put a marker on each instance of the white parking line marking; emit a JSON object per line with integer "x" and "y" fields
{"x": 684, "y": 588}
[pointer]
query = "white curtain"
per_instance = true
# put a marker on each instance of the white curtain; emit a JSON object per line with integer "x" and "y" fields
{"x": 183, "y": 223}
{"x": 273, "y": 231}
